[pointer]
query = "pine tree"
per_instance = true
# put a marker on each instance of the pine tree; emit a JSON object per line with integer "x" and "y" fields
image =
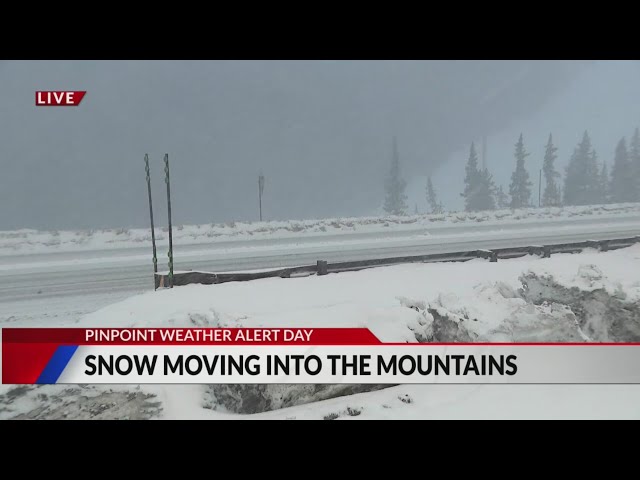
{"x": 593, "y": 180}
{"x": 573, "y": 179}
{"x": 432, "y": 199}
{"x": 551, "y": 196}
{"x": 485, "y": 199}
{"x": 502, "y": 200}
{"x": 621, "y": 186}
{"x": 479, "y": 188}
{"x": 634, "y": 160}
{"x": 395, "y": 200}
{"x": 605, "y": 192}
{"x": 520, "y": 188}
{"x": 581, "y": 185}
{"x": 471, "y": 180}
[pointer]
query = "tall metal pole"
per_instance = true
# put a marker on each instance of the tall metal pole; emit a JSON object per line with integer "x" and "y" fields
{"x": 260, "y": 190}
{"x": 170, "y": 254}
{"x": 539, "y": 189}
{"x": 153, "y": 233}
{"x": 484, "y": 152}
{"x": 260, "y": 202}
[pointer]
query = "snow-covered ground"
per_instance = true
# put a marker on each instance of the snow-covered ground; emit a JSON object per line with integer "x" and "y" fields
{"x": 33, "y": 241}
{"x": 582, "y": 297}
{"x": 59, "y": 284}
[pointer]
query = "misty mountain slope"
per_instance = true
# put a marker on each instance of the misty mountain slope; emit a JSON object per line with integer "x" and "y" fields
{"x": 319, "y": 130}
{"x": 604, "y": 99}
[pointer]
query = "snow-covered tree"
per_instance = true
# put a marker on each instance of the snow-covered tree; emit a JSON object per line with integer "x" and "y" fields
{"x": 478, "y": 185}
{"x": 395, "y": 200}
{"x": 435, "y": 206}
{"x": 471, "y": 179}
{"x": 593, "y": 179}
{"x": 520, "y": 188}
{"x": 551, "y": 196}
{"x": 634, "y": 160}
{"x": 621, "y": 186}
{"x": 605, "y": 192}
{"x": 502, "y": 199}
{"x": 581, "y": 185}
{"x": 486, "y": 193}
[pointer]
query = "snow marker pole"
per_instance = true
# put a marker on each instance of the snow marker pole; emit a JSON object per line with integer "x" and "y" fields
{"x": 540, "y": 189}
{"x": 170, "y": 254}
{"x": 153, "y": 233}
{"x": 260, "y": 190}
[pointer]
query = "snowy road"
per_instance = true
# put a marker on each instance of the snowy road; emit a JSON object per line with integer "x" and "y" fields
{"x": 63, "y": 286}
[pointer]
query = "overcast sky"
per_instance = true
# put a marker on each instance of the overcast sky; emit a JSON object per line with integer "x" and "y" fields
{"x": 321, "y": 131}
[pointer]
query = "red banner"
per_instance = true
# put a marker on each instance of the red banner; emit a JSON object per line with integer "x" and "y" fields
{"x": 59, "y": 98}
{"x": 190, "y": 336}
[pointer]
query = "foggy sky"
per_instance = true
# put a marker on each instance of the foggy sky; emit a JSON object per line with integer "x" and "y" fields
{"x": 320, "y": 131}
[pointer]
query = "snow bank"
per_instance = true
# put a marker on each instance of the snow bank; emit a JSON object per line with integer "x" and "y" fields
{"x": 581, "y": 297}
{"x": 35, "y": 241}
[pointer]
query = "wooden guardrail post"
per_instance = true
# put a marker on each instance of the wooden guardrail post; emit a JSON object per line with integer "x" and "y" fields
{"x": 323, "y": 267}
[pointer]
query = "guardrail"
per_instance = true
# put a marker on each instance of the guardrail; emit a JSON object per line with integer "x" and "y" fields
{"x": 323, "y": 267}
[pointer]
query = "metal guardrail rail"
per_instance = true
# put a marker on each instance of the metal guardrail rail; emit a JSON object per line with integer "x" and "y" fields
{"x": 323, "y": 267}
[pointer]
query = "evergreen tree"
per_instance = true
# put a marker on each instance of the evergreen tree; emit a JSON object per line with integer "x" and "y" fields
{"x": 502, "y": 200}
{"x": 485, "y": 199}
{"x": 520, "y": 188}
{"x": 605, "y": 192}
{"x": 395, "y": 200}
{"x": 574, "y": 177}
{"x": 593, "y": 180}
{"x": 551, "y": 196}
{"x": 621, "y": 186}
{"x": 479, "y": 188}
{"x": 434, "y": 206}
{"x": 634, "y": 160}
{"x": 582, "y": 180}
{"x": 471, "y": 180}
